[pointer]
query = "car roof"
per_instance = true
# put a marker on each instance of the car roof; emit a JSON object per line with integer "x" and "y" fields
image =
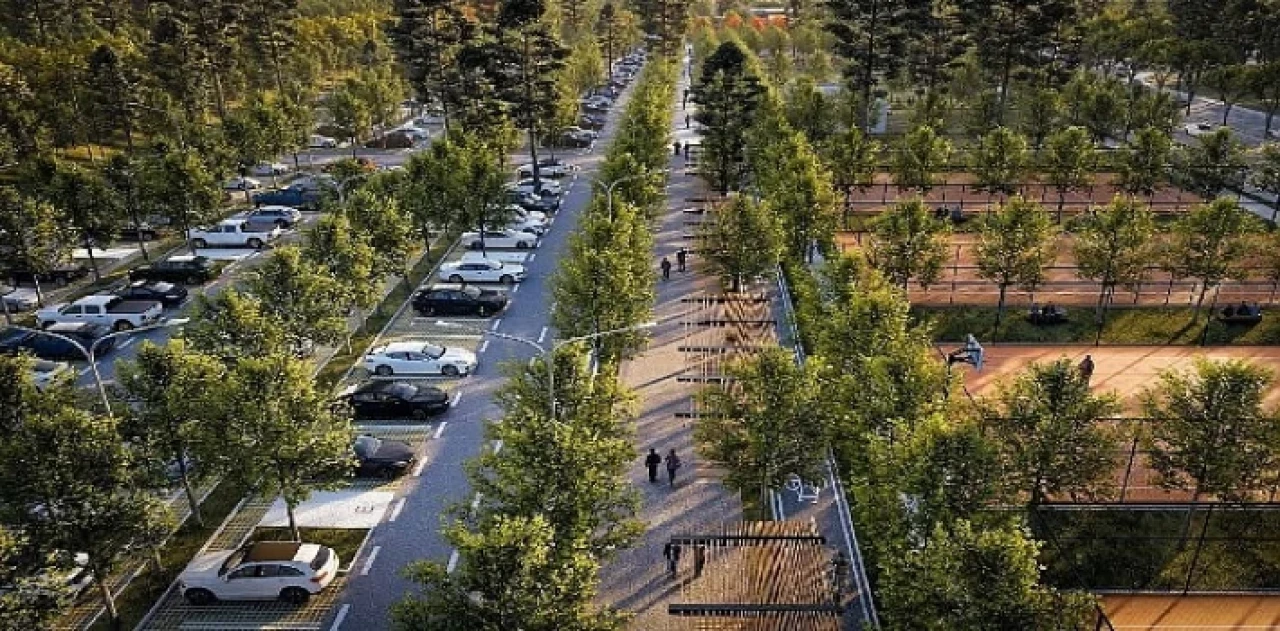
{"x": 445, "y": 287}
{"x": 60, "y": 327}
{"x": 412, "y": 346}
{"x": 272, "y": 551}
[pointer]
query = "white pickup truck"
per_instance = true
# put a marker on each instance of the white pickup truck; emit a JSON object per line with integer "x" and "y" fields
{"x": 234, "y": 233}
{"x": 113, "y": 311}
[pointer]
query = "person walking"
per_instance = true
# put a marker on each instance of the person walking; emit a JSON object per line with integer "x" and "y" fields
{"x": 681, "y": 258}
{"x": 651, "y": 462}
{"x": 673, "y": 463}
{"x": 1086, "y": 368}
{"x": 666, "y": 268}
{"x": 686, "y": 121}
{"x": 684, "y": 102}
{"x": 676, "y": 145}
{"x": 671, "y": 552}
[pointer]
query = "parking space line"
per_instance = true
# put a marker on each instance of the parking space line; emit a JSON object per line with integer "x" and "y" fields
{"x": 515, "y": 289}
{"x": 417, "y": 471}
{"x": 368, "y": 563}
{"x": 453, "y": 563}
{"x": 496, "y": 324}
{"x": 542, "y": 335}
{"x": 533, "y": 256}
{"x": 395, "y": 512}
{"x": 484, "y": 346}
{"x": 126, "y": 343}
{"x": 342, "y": 615}
{"x": 440, "y": 430}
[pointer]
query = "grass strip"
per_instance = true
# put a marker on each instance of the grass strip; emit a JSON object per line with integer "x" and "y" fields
{"x": 1136, "y": 325}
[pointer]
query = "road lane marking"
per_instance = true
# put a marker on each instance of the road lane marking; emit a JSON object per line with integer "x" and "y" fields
{"x": 542, "y": 335}
{"x": 84, "y": 371}
{"x": 126, "y": 343}
{"x": 453, "y": 563}
{"x": 368, "y": 563}
{"x": 496, "y": 324}
{"x": 395, "y": 512}
{"x": 440, "y": 430}
{"x": 533, "y": 256}
{"x": 515, "y": 289}
{"x": 484, "y": 346}
{"x": 417, "y": 471}
{"x": 342, "y": 615}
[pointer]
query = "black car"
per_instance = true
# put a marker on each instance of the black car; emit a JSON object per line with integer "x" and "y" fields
{"x": 191, "y": 270}
{"x": 458, "y": 300}
{"x": 591, "y": 121}
{"x": 395, "y": 399}
{"x": 526, "y": 201}
{"x": 60, "y": 276}
{"x": 380, "y": 458}
{"x": 14, "y": 341}
{"x": 139, "y": 232}
{"x": 167, "y": 294}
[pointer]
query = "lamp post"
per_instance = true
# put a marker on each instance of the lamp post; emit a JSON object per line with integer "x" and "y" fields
{"x": 92, "y": 358}
{"x": 608, "y": 188}
{"x": 548, "y": 352}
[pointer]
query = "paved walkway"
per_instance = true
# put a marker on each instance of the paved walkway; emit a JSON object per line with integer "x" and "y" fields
{"x": 636, "y": 580}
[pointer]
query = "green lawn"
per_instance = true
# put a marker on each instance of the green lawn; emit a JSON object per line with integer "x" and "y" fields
{"x": 1153, "y": 325}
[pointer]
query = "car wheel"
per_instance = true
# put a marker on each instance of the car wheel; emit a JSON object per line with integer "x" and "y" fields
{"x": 454, "y": 278}
{"x": 507, "y": 280}
{"x": 521, "y": 245}
{"x": 282, "y": 224}
{"x": 199, "y": 243}
{"x": 428, "y": 310}
{"x": 418, "y": 414}
{"x": 193, "y": 280}
{"x": 449, "y": 370}
{"x": 60, "y": 281}
{"x": 198, "y": 597}
{"x": 123, "y": 325}
{"x": 146, "y": 236}
{"x": 387, "y": 473}
{"x": 295, "y": 595}
{"x": 383, "y": 371}
{"x": 255, "y": 243}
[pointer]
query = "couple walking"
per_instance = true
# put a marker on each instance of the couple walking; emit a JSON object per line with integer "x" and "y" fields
{"x": 653, "y": 460}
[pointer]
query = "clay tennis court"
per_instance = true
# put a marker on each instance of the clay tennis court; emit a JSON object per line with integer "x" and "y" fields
{"x": 1187, "y": 613}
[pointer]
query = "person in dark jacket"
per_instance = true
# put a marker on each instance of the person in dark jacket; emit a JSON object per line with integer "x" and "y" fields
{"x": 651, "y": 462}
{"x": 673, "y": 463}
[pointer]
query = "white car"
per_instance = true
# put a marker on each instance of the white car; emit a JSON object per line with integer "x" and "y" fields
{"x": 270, "y": 168}
{"x": 545, "y": 169}
{"x": 549, "y": 186}
{"x": 419, "y": 357}
{"x": 18, "y": 298}
{"x": 282, "y": 216}
{"x": 482, "y": 271}
{"x": 418, "y": 134}
{"x": 532, "y": 227}
{"x": 241, "y": 184}
{"x": 45, "y": 372}
{"x": 532, "y": 216}
{"x": 266, "y": 570}
{"x": 499, "y": 239}
{"x": 1199, "y": 129}
{"x": 316, "y": 141}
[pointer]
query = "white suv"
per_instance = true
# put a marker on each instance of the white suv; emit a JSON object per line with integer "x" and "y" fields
{"x": 266, "y": 570}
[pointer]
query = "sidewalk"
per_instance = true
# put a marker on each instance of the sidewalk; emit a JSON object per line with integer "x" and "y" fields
{"x": 636, "y": 579}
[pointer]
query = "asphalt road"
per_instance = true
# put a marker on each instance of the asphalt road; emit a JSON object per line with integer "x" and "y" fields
{"x": 415, "y": 534}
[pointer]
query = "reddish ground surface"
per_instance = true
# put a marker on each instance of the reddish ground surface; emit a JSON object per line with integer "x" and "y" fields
{"x": 1185, "y": 613}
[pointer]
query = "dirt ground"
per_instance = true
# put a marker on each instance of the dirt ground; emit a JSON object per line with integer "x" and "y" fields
{"x": 1185, "y": 613}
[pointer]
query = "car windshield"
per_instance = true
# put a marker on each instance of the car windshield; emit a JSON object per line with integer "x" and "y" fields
{"x": 432, "y": 350}
{"x": 367, "y": 445}
{"x": 402, "y": 390}
{"x": 322, "y": 557}
{"x": 471, "y": 291}
{"x": 232, "y": 561}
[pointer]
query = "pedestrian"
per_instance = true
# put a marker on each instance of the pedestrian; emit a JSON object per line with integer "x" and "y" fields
{"x": 1086, "y": 368}
{"x": 652, "y": 461}
{"x": 676, "y": 145}
{"x": 673, "y": 463}
{"x": 666, "y": 268}
{"x": 681, "y": 257}
{"x": 687, "y": 145}
{"x": 686, "y": 125}
{"x": 684, "y": 102}
{"x": 671, "y": 552}
{"x": 699, "y": 559}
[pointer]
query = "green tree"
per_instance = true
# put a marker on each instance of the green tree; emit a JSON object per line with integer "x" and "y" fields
{"x": 1209, "y": 432}
{"x": 909, "y": 243}
{"x": 871, "y": 35}
{"x": 1265, "y": 174}
{"x": 308, "y": 304}
{"x": 351, "y": 115}
{"x": 918, "y": 159}
{"x": 1040, "y": 111}
{"x": 380, "y": 89}
{"x": 1214, "y": 164}
{"x": 298, "y": 444}
{"x": 231, "y": 325}
{"x": 1055, "y": 434}
{"x": 177, "y": 184}
{"x": 113, "y": 85}
{"x": 387, "y": 228}
{"x": 767, "y": 423}
{"x": 527, "y": 59}
{"x": 1209, "y": 244}
{"x": 1009, "y": 34}
{"x": 31, "y": 235}
{"x": 272, "y": 38}
{"x": 1113, "y": 247}
{"x": 742, "y": 241}
{"x": 1000, "y": 162}
{"x": 87, "y": 203}
{"x": 1144, "y": 164}
{"x": 808, "y": 109}
{"x": 1103, "y": 110}
{"x": 334, "y": 245}
{"x": 31, "y": 599}
{"x": 173, "y": 400}
{"x": 852, "y": 159}
{"x": 1232, "y": 83}
{"x": 1069, "y": 163}
{"x": 728, "y": 94}
{"x": 1015, "y": 245}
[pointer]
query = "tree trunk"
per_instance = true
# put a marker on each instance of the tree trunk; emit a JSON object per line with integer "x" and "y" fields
{"x": 192, "y": 501}
{"x": 93, "y": 262}
{"x": 1062, "y": 200}
{"x": 1000, "y": 305}
{"x": 293, "y": 521}
{"x": 108, "y": 599}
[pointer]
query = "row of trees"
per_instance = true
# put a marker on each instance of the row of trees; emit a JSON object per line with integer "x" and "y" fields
{"x": 553, "y": 503}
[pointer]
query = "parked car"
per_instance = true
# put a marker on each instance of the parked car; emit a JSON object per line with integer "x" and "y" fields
{"x": 167, "y": 294}
{"x": 191, "y": 270}
{"x": 378, "y": 458}
{"x": 45, "y": 373}
{"x": 1199, "y": 129}
{"x": 533, "y": 203}
{"x": 297, "y": 195}
{"x": 270, "y": 168}
{"x": 549, "y": 187}
{"x": 53, "y": 348}
{"x": 141, "y": 231}
{"x": 241, "y": 184}
{"x": 419, "y": 357}
{"x": 499, "y": 239}
{"x": 394, "y": 400}
{"x": 459, "y": 299}
{"x": 547, "y": 167}
{"x": 418, "y": 134}
{"x": 592, "y": 121}
{"x": 316, "y": 141}
{"x": 282, "y": 216}
{"x": 111, "y": 311}
{"x": 597, "y": 102}
{"x": 392, "y": 140}
{"x": 525, "y": 215}
{"x": 534, "y": 228}
{"x": 579, "y": 139}
{"x": 18, "y": 299}
{"x": 265, "y": 570}
{"x": 233, "y": 233}
{"x": 60, "y": 276}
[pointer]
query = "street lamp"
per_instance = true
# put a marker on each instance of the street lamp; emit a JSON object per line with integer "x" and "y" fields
{"x": 548, "y": 352}
{"x": 608, "y": 189}
{"x": 89, "y": 352}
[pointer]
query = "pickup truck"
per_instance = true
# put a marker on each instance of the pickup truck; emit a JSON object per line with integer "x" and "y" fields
{"x": 113, "y": 311}
{"x": 292, "y": 195}
{"x": 234, "y": 233}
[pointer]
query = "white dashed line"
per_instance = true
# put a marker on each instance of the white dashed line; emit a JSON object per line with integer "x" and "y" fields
{"x": 453, "y": 563}
{"x": 496, "y": 324}
{"x": 440, "y": 430}
{"x": 515, "y": 289}
{"x": 417, "y": 471}
{"x": 342, "y": 615}
{"x": 368, "y": 563}
{"x": 395, "y": 512}
{"x": 533, "y": 256}
{"x": 126, "y": 343}
{"x": 542, "y": 335}
{"x": 484, "y": 346}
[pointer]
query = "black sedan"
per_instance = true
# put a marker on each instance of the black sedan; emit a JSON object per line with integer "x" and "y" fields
{"x": 168, "y": 294}
{"x": 382, "y": 458}
{"x": 14, "y": 341}
{"x": 191, "y": 270}
{"x": 395, "y": 399}
{"x": 458, "y": 300}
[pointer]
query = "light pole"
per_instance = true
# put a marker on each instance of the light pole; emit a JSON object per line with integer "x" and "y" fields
{"x": 89, "y": 352}
{"x": 548, "y": 352}
{"x": 608, "y": 188}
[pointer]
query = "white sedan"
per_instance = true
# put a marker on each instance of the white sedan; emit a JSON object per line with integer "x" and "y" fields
{"x": 419, "y": 357}
{"x": 322, "y": 142}
{"x": 549, "y": 187}
{"x": 1198, "y": 129}
{"x": 482, "y": 271}
{"x": 270, "y": 168}
{"x": 499, "y": 239}
{"x": 241, "y": 184}
{"x": 529, "y": 216}
{"x": 545, "y": 169}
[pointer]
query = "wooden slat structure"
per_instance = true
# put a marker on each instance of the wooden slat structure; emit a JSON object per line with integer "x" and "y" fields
{"x": 757, "y": 576}
{"x": 722, "y": 327}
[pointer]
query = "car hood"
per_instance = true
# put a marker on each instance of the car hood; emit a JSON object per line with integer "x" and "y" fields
{"x": 393, "y": 451}
{"x": 204, "y": 566}
{"x": 458, "y": 354}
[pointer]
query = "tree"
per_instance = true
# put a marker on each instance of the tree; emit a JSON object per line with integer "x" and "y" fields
{"x": 17, "y": 119}
{"x": 871, "y": 35}
{"x": 387, "y": 229}
{"x": 767, "y": 422}
{"x": 1000, "y": 162}
{"x": 1266, "y": 87}
{"x": 742, "y": 241}
{"x": 351, "y": 115}
{"x": 300, "y": 296}
{"x": 177, "y": 184}
{"x": 298, "y": 444}
{"x": 113, "y": 87}
{"x": 1265, "y": 174}
{"x": 970, "y": 577}
{"x": 1145, "y": 162}
{"x": 1040, "y": 111}
{"x": 1054, "y": 433}
{"x": 173, "y": 400}
{"x": 231, "y": 325}
{"x": 1232, "y": 83}
{"x": 1015, "y": 245}
{"x": 1113, "y": 247}
{"x": 380, "y": 89}
{"x": 1069, "y": 163}
{"x": 86, "y": 203}
{"x": 1103, "y": 110}
{"x": 31, "y": 235}
{"x": 71, "y": 484}
{"x": 1210, "y": 243}
{"x": 919, "y": 157}
{"x": 32, "y": 598}
{"x": 272, "y": 37}
{"x": 728, "y": 94}
{"x": 1009, "y": 34}
{"x": 808, "y": 109}
{"x": 852, "y": 158}
{"x": 1214, "y": 164}
{"x": 336, "y": 246}
{"x": 910, "y": 243}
